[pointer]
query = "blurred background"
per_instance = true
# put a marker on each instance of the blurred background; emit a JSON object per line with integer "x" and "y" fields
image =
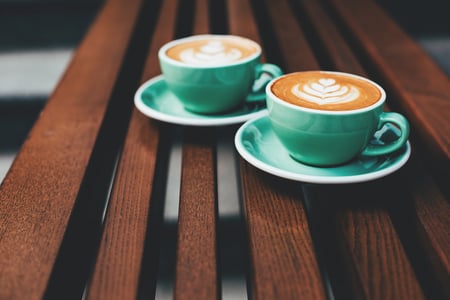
{"x": 38, "y": 37}
{"x": 37, "y": 40}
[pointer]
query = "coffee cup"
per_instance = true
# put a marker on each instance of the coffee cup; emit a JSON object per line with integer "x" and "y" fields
{"x": 326, "y": 118}
{"x": 213, "y": 74}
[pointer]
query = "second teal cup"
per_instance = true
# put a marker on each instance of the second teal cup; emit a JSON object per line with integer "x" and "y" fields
{"x": 212, "y": 74}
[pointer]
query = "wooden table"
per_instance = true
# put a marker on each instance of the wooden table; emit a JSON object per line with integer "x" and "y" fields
{"x": 82, "y": 208}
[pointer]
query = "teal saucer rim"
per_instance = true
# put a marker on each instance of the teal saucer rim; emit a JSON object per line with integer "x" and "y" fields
{"x": 190, "y": 119}
{"x": 267, "y": 166}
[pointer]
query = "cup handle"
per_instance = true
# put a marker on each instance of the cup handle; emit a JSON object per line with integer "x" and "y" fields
{"x": 399, "y": 121}
{"x": 263, "y": 74}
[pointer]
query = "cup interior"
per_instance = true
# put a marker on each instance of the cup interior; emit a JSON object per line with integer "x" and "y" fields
{"x": 244, "y": 42}
{"x": 280, "y": 101}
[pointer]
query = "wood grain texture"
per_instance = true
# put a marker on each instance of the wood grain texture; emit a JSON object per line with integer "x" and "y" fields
{"x": 38, "y": 194}
{"x": 242, "y": 21}
{"x": 196, "y": 266}
{"x": 432, "y": 217}
{"x": 201, "y": 17}
{"x": 330, "y": 40}
{"x": 239, "y": 12}
{"x": 380, "y": 268}
{"x": 291, "y": 39}
{"x": 196, "y": 262}
{"x": 284, "y": 264}
{"x": 116, "y": 274}
{"x": 406, "y": 70}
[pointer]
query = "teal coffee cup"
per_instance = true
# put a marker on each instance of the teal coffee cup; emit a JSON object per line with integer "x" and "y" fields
{"x": 328, "y": 118}
{"x": 213, "y": 74}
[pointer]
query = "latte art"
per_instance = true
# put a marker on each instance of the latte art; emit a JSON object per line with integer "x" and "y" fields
{"x": 212, "y": 50}
{"x": 325, "y": 91}
{"x": 331, "y": 91}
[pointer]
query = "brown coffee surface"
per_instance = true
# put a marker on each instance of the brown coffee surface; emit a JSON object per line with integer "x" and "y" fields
{"x": 212, "y": 50}
{"x": 326, "y": 91}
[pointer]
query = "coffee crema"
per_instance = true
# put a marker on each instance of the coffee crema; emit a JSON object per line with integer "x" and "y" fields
{"x": 323, "y": 90}
{"x": 212, "y": 51}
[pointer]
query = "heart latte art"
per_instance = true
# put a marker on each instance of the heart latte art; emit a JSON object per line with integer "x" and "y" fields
{"x": 326, "y": 90}
{"x": 212, "y": 51}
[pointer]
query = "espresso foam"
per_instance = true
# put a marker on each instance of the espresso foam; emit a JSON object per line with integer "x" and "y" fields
{"x": 326, "y": 91}
{"x": 212, "y": 51}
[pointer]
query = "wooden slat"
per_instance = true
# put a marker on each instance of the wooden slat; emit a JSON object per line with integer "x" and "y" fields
{"x": 119, "y": 263}
{"x": 291, "y": 40}
{"x": 330, "y": 40}
{"x": 283, "y": 262}
{"x": 201, "y": 20}
{"x": 196, "y": 269}
{"x": 380, "y": 268}
{"x": 38, "y": 194}
{"x": 196, "y": 266}
{"x": 432, "y": 216}
{"x": 407, "y": 70}
{"x": 116, "y": 273}
{"x": 238, "y": 14}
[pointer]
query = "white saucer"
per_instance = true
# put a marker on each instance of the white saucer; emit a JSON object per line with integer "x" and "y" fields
{"x": 257, "y": 144}
{"x": 154, "y": 100}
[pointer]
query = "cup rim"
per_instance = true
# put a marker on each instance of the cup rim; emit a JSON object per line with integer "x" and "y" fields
{"x": 379, "y": 102}
{"x": 162, "y": 51}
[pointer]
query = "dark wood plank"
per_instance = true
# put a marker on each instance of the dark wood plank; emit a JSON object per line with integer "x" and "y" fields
{"x": 116, "y": 274}
{"x": 380, "y": 268}
{"x": 417, "y": 82}
{"x": 38, "y": 194}
{"x": 283, "y": 262}
{"x": 196, "y": 266}
{"x": 201, "y": 17}
{"x": 330, "y": 44}
{"x": 290, "y": 38}
{"x": 238, "y": 14}
{"x": 432, "y": 217}
{"x": 196, "y": 269}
